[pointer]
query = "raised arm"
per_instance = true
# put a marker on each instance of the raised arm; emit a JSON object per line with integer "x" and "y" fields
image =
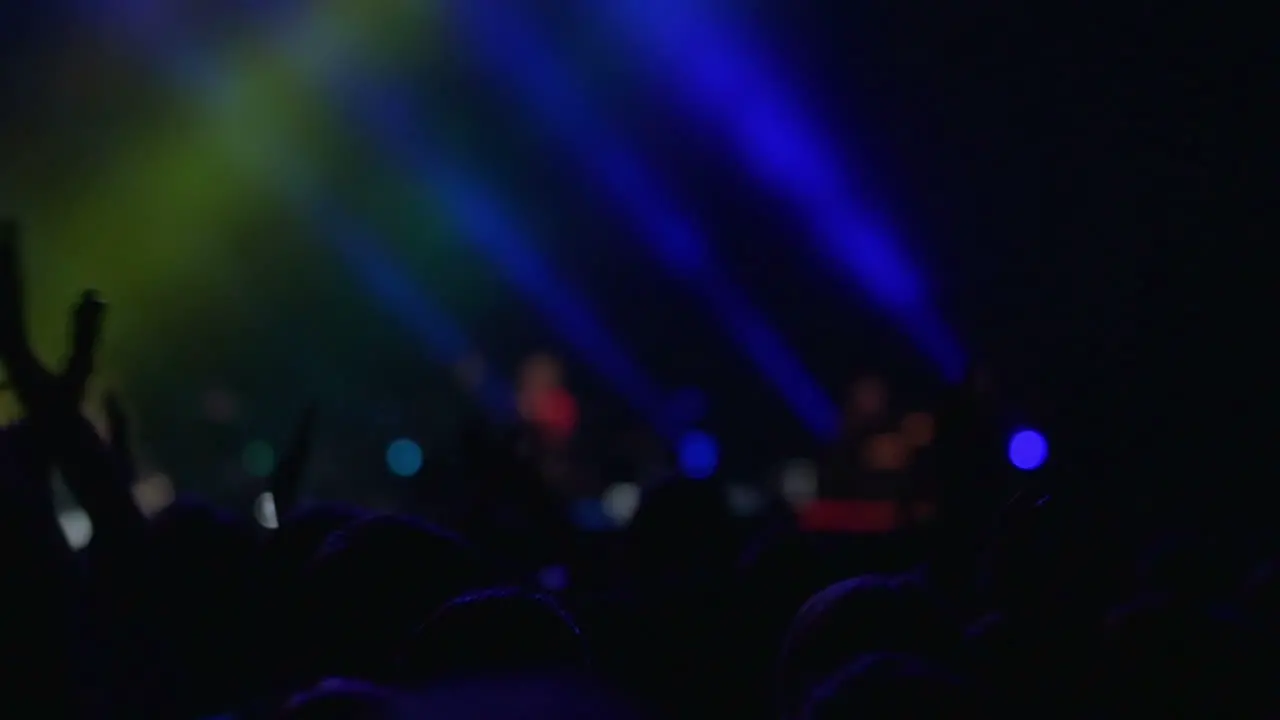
{"x": 92, "y": 470}
{"x": 286, "y": 480}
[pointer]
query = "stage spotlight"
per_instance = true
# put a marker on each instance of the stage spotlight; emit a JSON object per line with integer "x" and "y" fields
{"x": 699, "y": 455}
{"x": 1028, "y": 450}
{"x": 404, "y": 457}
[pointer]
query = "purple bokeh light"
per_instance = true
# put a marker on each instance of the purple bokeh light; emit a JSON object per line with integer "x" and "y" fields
{"x": 1028, "y": 450}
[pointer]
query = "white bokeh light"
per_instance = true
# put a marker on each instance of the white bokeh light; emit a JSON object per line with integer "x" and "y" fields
{"x": 621, "y": 501}
{"x": 153, "y": 493}
{"x": 77, "y": 528}
{"x": 264, "y": 511}
{"x": 744, "y": 500}
{"x": 799, "y": 484}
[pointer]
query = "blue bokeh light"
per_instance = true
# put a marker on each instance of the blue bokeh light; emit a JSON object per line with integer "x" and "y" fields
{"x": 699, "y": 455}
{"x": 1028, "y": 450}
{"x": 404, "y": 457}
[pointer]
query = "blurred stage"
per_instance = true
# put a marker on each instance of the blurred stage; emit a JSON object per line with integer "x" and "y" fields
{"x": 717, "y": 216}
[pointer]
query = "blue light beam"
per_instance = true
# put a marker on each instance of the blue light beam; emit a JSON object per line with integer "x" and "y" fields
{"x": 726, "y": 83}
{"x": 501, "y": 40}
{"x": 485, "y": 222}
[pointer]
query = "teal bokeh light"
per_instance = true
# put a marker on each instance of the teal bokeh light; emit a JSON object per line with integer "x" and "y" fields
{"x": 259, "y": 459}
{"x": 404, "y": 457}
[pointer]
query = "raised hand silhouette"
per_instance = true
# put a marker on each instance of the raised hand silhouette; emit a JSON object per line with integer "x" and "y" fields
{"x": 97, "y": 473}
{"x": 14, "y": 347}
{"x": 41, "y": 391}
{"x": 86, "y": 332}
{"x": 120, "y": 439}
{"x": 286, "y": 481}
{"x": 12, "y": 316}
{"x": 48, "y": 436}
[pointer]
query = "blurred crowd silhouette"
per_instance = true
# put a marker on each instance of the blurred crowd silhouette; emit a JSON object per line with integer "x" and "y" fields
{"x": 987, "y": 602}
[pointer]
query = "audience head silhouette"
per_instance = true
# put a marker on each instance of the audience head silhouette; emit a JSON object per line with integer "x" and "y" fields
{"x": 373, "y": 582}
{"x": 492, "y": 632}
